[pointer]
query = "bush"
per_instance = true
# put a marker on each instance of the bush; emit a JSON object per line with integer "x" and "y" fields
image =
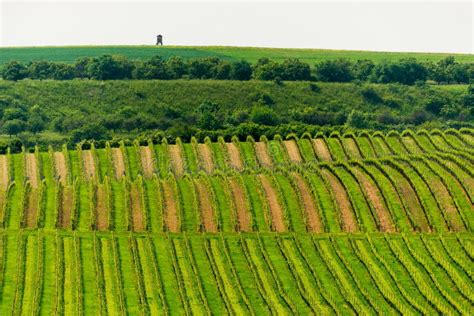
{"x": 109, "y": 67}
{"x": 371, "y": 95}
{"x": 90, "y": 131}
{"x": 406, "y": 71}
{"x": 241, "y": 70}
{"x": 14, "y": 71}
{"x": 14, "y": 127}
{"x": 339, "y": 70}
{"x": 357, "y": 119}
{"x": 264, "y": 116}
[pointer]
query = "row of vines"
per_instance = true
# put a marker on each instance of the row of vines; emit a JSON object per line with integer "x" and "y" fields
{"x": 103, "y": 273}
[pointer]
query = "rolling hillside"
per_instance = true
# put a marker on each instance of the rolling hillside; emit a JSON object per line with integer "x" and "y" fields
{"x": 368, "y": 224}
{"x": 251, "y": 54}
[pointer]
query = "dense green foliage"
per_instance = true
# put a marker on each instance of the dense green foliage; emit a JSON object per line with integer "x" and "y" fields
{"x": 70, "y": 111}
{"x": 107, "y": 67}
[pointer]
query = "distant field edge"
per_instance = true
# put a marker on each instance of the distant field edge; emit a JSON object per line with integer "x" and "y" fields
{"x": 251, "y": 54}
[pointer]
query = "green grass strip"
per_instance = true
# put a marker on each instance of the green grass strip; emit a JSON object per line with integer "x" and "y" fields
{"x": 306, "y": 150}
{"x": 276, "y": 151}
{"x": 188, "y": 205}
{"x": 126, "y": 271}
{"x": 336, "y": 149}
{"x": 381, "y": 252}
{"x": 248, "y": 154}
{"x": 258, "y": 204}
{"x": 285, "y": 275}
{"x": 237, "y": 258}
{"x": 344, "y": 279}
{"x": 167, "y": 274}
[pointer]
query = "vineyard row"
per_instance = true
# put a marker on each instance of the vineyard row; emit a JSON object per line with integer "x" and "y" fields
{"x": 257, "y": 274}
{"x": 428, "y": 193}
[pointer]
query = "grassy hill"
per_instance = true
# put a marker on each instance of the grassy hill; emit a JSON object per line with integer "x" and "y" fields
{"x": 252, "y": 54}
{"x": 375, "y": 224}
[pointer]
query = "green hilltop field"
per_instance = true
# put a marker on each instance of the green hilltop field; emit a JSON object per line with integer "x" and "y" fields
{"x": 251, "y": 54}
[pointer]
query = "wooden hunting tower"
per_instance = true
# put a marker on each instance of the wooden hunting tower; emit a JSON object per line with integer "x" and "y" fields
{"x": 159, "y": 40}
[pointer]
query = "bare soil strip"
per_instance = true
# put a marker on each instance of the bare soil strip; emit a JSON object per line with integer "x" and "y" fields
{"x": 119, "y": 165}
{"x": 351, "y": 147}
{"x": 101, "y": 208}
{"x": 312, "y": 216}
{"x": 66, "y": 208}
{"x": 3, "y": 171}
{"x": 32, "y": 170}
{"x": 89, "y": 165}
{"x": 137, "y": 215}
{"x": 205, "y": 156}
{"x": 275, "y": 207}
{"x": 262, "y": 154}
{"x": 293, "y": 151}
{"x": 322, "y": 150}
{"x": 349, "y": 222}
{"x": 176, "y": 159}
{"x": 374, "y": 195}
{"x": 171, "y": 212}
{"x": 238, "y": 195}
{"x": 60, "y": 167}
{"x": 147, "y": 161}
{"x": 234, "y": 156}
{"x": 205, "y": 204}
{"x": 32, "y": 209}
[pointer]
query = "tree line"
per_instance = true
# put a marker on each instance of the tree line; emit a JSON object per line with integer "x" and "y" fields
{"x": 107, "y": 67}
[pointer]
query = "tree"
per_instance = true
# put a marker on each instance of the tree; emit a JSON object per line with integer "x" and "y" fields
{"x": 14, "y": 71}
{"x": 63, "y": 72}
{"x": 203, "y": 68}
{"x": 266, "y": 69}
{"x": 18, "y": 113}
{"x": 41, "y": 69}
{"x": 36, "y": 119}
{"x": 81, "y": 67}
{"x": 94, "y": 130}
{"x": 209, "y": 121}
{"x": 208, "y": 115}
{"x": 357, "y": 119}
{"x": 405, "y": 71}
{"x": 155, "y": 68}
{"x": 265, "y": 116}
{"x": 177, "y": 67}
{"x": 294, "y": 69}
{"x": 208, "y": 107}
{"x": 222, "y": 71}
{"x": 362, "y": 69}
{"x": 241, "y": 70}
{"x": 109, "y": 67}
{"x": 339, "y": 70}
{"x": 435, "y": 104}
{"x": 13, "y": 127}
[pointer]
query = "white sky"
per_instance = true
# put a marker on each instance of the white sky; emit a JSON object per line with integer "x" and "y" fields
{"x": 431, "y": 26}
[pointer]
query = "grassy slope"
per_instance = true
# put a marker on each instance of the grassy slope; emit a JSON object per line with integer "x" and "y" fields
{"x": 80, "y": 99}
{"x": 151, "y": 95}
{"x": 251, "y": 54}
